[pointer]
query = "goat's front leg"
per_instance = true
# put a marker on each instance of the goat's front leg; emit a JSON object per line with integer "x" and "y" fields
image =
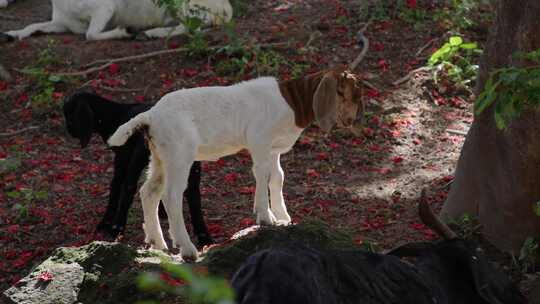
{"x": 43, "y": 27}
{"x": 137, "y": 163}
{"x": 261, "y": 170}
{"x": 276, "y": 190}
{"x": 151, "y": 192}
{"x": 98, "y": 23}
{"x": 164, "y": 32}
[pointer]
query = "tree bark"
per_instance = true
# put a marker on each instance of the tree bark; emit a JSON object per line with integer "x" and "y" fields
{"x": 498, "y": 172}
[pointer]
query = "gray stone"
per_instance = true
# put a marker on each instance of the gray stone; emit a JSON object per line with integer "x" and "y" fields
{"x": 62, "y": 289}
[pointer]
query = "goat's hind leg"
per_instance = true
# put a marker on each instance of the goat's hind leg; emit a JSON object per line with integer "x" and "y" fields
{"x": 277, "y": 203}
{"x": 151, "y": 193}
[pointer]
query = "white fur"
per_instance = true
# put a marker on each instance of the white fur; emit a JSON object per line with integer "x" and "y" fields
{"x": 206, "y": 124}
{"x": 4, "y": 3}
{"x": 108, "y": 19}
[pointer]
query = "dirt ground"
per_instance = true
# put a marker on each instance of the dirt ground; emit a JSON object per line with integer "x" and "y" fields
{"x": 367, "y": 183}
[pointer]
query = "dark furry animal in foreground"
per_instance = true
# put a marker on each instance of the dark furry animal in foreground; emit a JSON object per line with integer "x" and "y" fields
{"x": 453, "y": 271}
{"x": 86, "y": 114}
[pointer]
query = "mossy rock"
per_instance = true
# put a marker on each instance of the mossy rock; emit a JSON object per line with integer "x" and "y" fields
{"x": 225, "y": 259}
{"x": 110, "y": 272}
{"x": 103, "y": 272}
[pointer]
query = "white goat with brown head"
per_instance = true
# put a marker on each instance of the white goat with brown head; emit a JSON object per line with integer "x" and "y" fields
{"x": 261, "y": 115}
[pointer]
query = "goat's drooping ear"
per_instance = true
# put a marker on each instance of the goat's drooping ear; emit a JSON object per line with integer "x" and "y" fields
{"x": 84, "y": 122}
{"x": 324, "y": 102}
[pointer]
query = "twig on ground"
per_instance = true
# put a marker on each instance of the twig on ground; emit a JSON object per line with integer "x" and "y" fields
{"x": 361, "y": 37}
{"x": 411, "y": 74}
{"x": 423, "y": 48}
{"x": 123, "y": 90}
{"x": 7, "y": 134}
{"x": 314, "y": 36}
{"x": 107, "y": 88}
{"x": 456, "y": 132}
{"x": 108, "y": 62}
{"x": 370, "y": 85}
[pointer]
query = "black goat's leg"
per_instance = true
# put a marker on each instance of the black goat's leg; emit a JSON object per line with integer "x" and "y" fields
{"x": 139, "y": 160}
{"x": 193, "y": 198}
{"x": 115, "y": 190}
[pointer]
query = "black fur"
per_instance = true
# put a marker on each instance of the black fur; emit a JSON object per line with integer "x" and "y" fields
{"x": 86, "y": 114}
{"x": 449, "y": 272}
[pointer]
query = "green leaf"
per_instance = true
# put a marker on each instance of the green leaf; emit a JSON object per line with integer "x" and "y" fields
{"x": 438, "y": 55}
{"x": 487, "y": 97}
{"x": 182, "y": 272}
{"x": 469, "y": 46}
{"x": 13, "y": 194}
{"x": 499, "y": 117}
{"x": 455, "y": 41}
{"x": 55, "y": 78}
{"x": 536, "y": 208}
{"x": 41, "y": 195}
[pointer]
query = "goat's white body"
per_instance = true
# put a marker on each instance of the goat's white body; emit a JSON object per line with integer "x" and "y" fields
{"x": 109, "y": 19}
{"x": 206, "y": 124}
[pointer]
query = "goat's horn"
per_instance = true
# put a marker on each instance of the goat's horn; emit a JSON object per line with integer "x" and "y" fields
{"x": 431, "y": 220}
{"x": 365, "y": 47}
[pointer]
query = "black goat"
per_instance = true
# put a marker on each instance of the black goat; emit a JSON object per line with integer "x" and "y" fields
{"x": 453, "y": 271}
{"x": 87, "y": 113}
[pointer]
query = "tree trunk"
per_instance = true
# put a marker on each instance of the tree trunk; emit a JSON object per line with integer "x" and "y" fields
{"x": 498, "y": 173}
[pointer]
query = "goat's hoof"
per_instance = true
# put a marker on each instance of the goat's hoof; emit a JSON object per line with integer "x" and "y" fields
{"x": 158, "y": 245}
{"x": 266, "y": 218}
{"x": 283, "y": 219}
{"x": 189, "y": 253}
{"x": 204, "y": 239}
{"x": 107, "y": 230}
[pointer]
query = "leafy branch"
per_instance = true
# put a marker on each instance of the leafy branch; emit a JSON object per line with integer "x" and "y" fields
{"x": 512, "y": 89}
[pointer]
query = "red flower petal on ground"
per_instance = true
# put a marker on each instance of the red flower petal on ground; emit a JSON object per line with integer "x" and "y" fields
{"x": 322, "y": 156}
{"x": 114, "y": 69}
{"x": 373, "y": 93}
{"x": 167, "y": 278}
{"x": 13, "y": 229}
{"x": 139, "y": 98}
{"x": 57, "y": 95}
{"x": 231, "y": 177}
{"x": 368, "y": 132}
{"x": 411, "y": 4}
{"x": 247, "y": 190}
{"x": 246, "y": 222}
{"x": 397, "y": 159}
{"x": 45, "y": 276}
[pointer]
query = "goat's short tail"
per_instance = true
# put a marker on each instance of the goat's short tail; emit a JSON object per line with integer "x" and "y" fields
{"x": 124, "y": 132}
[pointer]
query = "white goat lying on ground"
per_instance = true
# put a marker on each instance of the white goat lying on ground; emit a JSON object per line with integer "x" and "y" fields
{"x": 5, "y": 3}
{"x": 110, "y": 19}
{"x": 262, "y": 115}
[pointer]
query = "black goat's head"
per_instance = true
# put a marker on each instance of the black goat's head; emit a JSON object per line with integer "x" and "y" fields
{"x": 459, "y": 265}
{"x": 79, "y": 117}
